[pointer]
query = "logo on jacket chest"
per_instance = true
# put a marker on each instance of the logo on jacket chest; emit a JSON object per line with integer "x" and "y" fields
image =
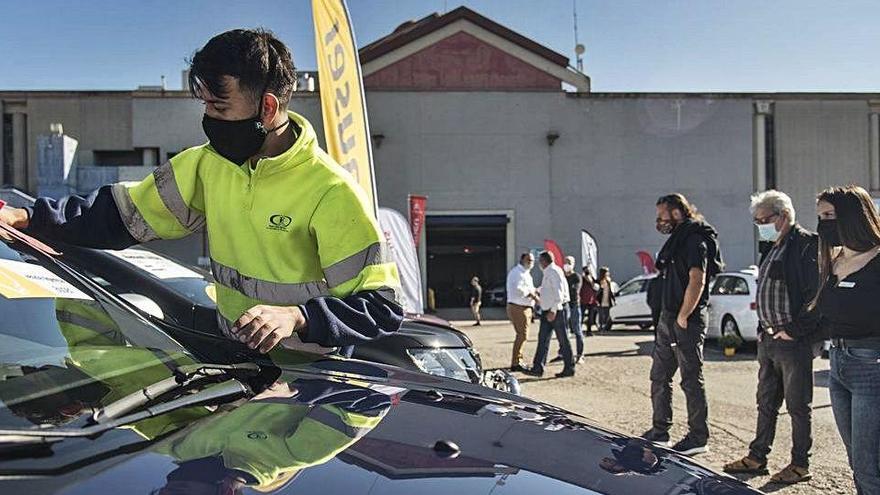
{"x": 279, "y": 222}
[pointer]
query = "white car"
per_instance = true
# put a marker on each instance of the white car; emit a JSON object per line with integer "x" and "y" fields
{"x": 631, "y": 306}
{"x": 733, "y": 306}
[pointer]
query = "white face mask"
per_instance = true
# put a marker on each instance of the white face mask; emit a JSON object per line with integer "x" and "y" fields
{"x": 768, "y": 232}
{"x": 567, "y": 267}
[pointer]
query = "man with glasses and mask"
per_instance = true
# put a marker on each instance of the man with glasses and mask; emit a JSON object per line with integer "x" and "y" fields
{"x": 787, "y": 333}
{"x": 689, "y": 259}
{"x": 296, "y": 250}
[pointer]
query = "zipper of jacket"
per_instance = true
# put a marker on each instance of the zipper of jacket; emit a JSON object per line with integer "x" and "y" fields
{"x": 252, "y": 179}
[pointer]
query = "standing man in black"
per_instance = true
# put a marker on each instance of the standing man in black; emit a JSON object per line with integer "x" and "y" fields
{"x": 787, "y": 336}
{"x": 687, "y": 262}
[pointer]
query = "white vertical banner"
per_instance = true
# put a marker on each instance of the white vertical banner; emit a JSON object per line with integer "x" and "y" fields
{"x": 589, "y": 252}
{"x": 403, "y": 251}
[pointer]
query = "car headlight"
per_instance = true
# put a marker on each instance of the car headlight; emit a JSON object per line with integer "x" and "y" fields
{"x": 458, "y": 364}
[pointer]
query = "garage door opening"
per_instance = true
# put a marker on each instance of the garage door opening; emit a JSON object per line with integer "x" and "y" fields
{"x": 461, "y": 246}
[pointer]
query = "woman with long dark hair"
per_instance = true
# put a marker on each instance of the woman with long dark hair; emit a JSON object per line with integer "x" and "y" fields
{"x": 605, "y": 298}
{"x": 849, "y": 304}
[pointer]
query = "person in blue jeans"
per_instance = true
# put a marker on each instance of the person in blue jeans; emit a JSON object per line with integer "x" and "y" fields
{"x": 575, "y": 317}
{"x": 849, "y": 268}
{"x": 554, "y": 300}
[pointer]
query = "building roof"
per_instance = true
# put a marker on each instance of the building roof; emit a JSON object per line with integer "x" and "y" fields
{"x": 413, "y": 30}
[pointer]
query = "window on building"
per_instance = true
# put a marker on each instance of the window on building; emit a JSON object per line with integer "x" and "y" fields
{"x": 7, "y": 148}
{"x": 118, "y": 158}
{"x": 770, "y": 151}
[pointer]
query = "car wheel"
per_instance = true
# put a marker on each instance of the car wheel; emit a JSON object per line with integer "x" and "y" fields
{"x": 729, "y": 326}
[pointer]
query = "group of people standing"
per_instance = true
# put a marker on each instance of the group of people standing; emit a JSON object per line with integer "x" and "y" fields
{"x": 566, "y": 301}
{"x": 811, "y": 287}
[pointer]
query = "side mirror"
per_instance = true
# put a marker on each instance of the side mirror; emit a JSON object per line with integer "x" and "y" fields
{"x": 144, "y": 304}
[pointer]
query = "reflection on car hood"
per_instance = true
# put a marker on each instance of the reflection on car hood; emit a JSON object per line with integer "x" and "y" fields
{"x": 342, "y": 426}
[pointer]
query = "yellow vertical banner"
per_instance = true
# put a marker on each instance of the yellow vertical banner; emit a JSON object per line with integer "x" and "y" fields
{"x": 343, "y": 105}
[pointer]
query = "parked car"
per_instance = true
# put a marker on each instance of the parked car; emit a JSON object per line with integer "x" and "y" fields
{"x": 632, "y": 303}
{"x": 95, "y": 398}
{"x": 732, "y": 305}
{"x": 182, "y": 294}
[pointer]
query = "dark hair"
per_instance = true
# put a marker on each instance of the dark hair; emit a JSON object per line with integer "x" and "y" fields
{"x": 677, "y": 201}
{"x": 857, "y": 223}
{"x": 524, "y": 256}
{"x": 547, "y": 257}
{"x": 258, "y": 59}
{"x": 603, "y": 274}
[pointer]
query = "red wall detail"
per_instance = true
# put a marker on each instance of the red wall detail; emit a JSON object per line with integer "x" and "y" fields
{"x": 462, "y": 62}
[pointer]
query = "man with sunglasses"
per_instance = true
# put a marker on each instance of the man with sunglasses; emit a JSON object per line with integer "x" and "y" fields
{"x": 787, "y": 334}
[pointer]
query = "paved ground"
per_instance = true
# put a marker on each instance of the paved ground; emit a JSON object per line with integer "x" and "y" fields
{"x": 612, "y": 388}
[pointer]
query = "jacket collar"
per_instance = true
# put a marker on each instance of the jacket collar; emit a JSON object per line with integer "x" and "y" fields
{"x": 303, "y": 149}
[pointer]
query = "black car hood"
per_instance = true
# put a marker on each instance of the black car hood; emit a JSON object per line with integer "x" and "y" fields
{"x": 421, "y": 333}
{"x": 399, "y": 432}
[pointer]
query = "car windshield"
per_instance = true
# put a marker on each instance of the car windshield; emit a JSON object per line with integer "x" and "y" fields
{"x": 58, "y": 335}
{"x": 631, "y": 287}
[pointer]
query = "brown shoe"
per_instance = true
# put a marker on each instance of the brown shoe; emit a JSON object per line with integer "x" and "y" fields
{"x": 746, "y": 465}
{"x": 791, "y": 474}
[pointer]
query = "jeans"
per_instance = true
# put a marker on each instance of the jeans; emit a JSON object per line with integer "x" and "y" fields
{"x": 855, "y": 399}
{"x": 785, "y": 373}
{"x": 574, "y": 326}
{"x": 604, "y": 318}
{"x": 680, "y": 349}
{"x": 547, "y": 329}
{"x": 588, "y": 315}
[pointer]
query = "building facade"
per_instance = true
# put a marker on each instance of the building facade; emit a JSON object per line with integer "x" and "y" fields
{"x": 511, "y": 148}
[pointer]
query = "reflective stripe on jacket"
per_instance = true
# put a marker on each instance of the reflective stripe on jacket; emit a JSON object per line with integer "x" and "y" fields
{"x": 291, "y": 228}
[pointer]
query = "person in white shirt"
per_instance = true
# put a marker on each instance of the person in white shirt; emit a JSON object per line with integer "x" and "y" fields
{"x": 554, "y": 317}
{"x": 521, "y": 296}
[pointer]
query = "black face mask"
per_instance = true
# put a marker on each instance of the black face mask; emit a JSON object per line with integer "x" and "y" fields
{"x": 237, "y": 140}
{"x": 666, "y": 227}
{"x": 828, "y": 232}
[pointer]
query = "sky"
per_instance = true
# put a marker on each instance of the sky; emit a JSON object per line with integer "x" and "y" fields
{"x": 645, "y": 46}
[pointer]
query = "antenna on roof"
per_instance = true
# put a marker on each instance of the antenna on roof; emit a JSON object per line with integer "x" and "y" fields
{"x": 579, "y": 49}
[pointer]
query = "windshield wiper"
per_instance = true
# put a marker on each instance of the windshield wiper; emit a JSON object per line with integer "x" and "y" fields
{"x": 223, "y": 391}
{"x": 183, "y": 376}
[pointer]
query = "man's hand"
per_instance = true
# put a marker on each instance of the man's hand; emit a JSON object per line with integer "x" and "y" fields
{"x": 263, "y": 327}
{"x": 781, "y": 335}
{"x": 682, "y": 322}
{"x": 551, "y": 316}
{"x": 14, "y": 217}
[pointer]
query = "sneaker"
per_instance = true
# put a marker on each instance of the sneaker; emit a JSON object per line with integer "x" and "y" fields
{"x": 518, "y": 367}
{"x": 659, "y": 438}
{"x": 565, "y": 374}
{"x": 532, "y": 372}
{"x": 557, "y": 359}
{"x": 689, "y": 446}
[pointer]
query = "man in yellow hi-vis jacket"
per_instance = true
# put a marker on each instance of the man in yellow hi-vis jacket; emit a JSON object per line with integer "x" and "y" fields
{"x": 266, "y": 442}
{"x": 295, "y": 247}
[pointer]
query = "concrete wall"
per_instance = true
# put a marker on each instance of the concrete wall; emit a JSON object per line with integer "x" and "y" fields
{"x": 98, "y": 122}
{"x": 488, "y": 151}
{"x": 820, "y": 143}
{"x": 613, "y": 159}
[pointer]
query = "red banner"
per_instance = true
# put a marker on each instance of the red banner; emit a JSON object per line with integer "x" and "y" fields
{"x": 550, "y": 245}
{"x": 417, "y": 205}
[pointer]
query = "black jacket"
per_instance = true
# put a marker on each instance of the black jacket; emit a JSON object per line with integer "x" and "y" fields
{"x": 800, "y": 271}
{"x": 673, "y": 266}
